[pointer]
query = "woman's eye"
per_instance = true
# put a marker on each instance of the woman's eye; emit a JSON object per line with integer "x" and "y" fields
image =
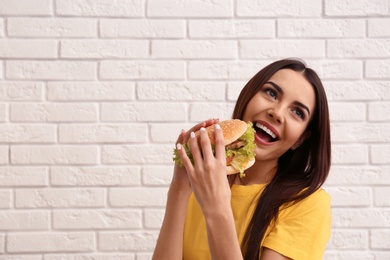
{"x": 299, "y": 113}
{"x": 271, "y": 93}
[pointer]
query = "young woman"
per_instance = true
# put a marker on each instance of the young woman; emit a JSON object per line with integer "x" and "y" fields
{"x": 278, "y": 211}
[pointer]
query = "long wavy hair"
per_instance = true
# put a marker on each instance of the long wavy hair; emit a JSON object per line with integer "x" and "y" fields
{"x": 300, "y": 172}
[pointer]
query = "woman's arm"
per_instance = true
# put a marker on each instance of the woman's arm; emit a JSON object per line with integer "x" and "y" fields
{"x": 170, "y": 241}
{"x": 269, "y": 254}
{"x": 212, "y": 191}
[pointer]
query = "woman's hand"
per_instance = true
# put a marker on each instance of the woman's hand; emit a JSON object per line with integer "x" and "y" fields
{"x": 208, "y": 174}
{"x": 180, "y": 180}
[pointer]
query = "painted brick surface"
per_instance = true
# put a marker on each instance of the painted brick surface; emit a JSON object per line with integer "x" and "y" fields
{"x": 93, "y": 95}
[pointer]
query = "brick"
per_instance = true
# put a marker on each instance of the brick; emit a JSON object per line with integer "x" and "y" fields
{"x": 21, "y": 91}
{"x": 102, "y": 133}
{"x": 358, "y": 48}
{"x": 180, "y": 91}
{"x": 264, "y": 8}
{"x": 94, "y": 49}
{"x": 2, "y": 27}
{"x": 59, "y": 198}
{"x": 337, "y": 69}
{"x": 142, "y": 70}
{"x": 26, "y": 7}
{"x": 350, "y": 196}
{"x": 202, "y": 111}
{"x": 96, "y": 219}
{"x": 234, "y": 89}
{"x": 51, "y": 70}
{"x": 378, "y": 27}
{"x": 380, "y": 239}
{"x": 51, "y": 242}
{"x": 348, "y": 239}
{"x": 178, "y": 8}
{"x": 357, "y": 8}
{"x": 3, "y": 154}
{"x": 140, "y": 28}
{"x": 379, "y": 111}
{"x": 2, "y": 242}
{"x": 23, "y": 176}
{"x": 377, "y": 69}
{"x": 140, "y": 197}
{"x": 53, "y": 112}
{"x": 90, "y": 91}
{"x": 3, "y": 112}
{"x": 357, "y": 90}
{"x": 144, "y": 256}
{"x": 157, "y": 175}
{"x": 143, "y": 112}
{"x": 39, "y": 154}
{"x": 273, "y": 49}
{"x": 321, "y": 28}
{"x": 20, "y": 133}
{"x": 360, "y": 132}
{"x": 39, "y": 49}
{"x": 354, "y": 154}
{"x": 154, "y": 218}
{"x": 41, "y": 27}
{"x": 380, "y": 153}
{"x": 95, "y": 256}
{"x": 24, "y": 220}
{"x": 167, "y": 133}
{"x": 6, "y": 199}
{"x": 358, "y": 175}
{"x": 21, "y": 257}
{"x": 361, "y": 217}
{"x": 127, "y": 241}
{"x": 344, "y": 112}
{"x": 123, "y": 8}
{"x": 95, "y": 176}
{"x": 224, "y": 69}
{"x": 137, "y": 154}
{"x": 355, "y": 255}
{"x": 381, "y": 196}
{"x": 194, "y": 49}
{"x": 243, "y": 28}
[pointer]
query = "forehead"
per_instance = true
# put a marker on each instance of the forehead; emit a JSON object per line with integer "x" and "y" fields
{"x": 295, "y": 86}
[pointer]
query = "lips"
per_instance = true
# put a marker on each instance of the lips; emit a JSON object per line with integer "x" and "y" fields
{"x": 265, "y": 133}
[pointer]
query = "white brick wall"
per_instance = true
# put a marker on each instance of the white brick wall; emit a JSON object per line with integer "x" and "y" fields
{"x": 94, "y": 93}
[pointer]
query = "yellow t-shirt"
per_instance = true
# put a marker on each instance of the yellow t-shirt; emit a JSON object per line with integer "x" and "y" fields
{"x": 301, "y": 232}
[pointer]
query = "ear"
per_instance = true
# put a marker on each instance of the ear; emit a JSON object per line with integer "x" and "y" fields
{"x": 301, "y": 139}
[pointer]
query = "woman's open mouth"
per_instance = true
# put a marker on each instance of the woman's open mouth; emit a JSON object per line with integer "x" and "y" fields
{"x": 265, "y": 133}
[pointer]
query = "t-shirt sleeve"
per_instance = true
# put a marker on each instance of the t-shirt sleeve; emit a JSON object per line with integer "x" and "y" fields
{"x": 302, "y": 230}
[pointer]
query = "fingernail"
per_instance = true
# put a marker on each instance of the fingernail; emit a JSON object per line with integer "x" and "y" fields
{"x": 192, "y": 135}
{"x": 178, "y": 146}
{"x": 217, "y": 126}
{"x": 203, "y": 129}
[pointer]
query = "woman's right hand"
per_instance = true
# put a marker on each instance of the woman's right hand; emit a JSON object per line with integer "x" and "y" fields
{"x": 180, "y": 181}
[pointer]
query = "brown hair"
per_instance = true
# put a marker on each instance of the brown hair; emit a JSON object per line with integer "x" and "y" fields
{"x": 300, "y": 172}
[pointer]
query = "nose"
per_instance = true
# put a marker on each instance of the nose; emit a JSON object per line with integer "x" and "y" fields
{"x": 276, "y": 115}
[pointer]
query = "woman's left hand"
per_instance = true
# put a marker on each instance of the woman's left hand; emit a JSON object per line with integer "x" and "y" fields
{"x": 208, "y": 174}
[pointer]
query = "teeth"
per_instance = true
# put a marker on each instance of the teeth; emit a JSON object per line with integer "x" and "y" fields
{"x": 266, "y": 129}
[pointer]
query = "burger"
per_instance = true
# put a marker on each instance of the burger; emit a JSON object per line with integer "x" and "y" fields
{"x": 239, "y": 138}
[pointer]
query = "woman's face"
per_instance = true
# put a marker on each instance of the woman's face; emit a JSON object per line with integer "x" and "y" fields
{"x": 280, "y": 113}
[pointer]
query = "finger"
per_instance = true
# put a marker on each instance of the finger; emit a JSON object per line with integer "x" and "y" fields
{"x": 219, "y": 143}
{"x": 198, "y": 126}
{"x": 205, "y": 145}
{"x": 184, "y": 157}
{"x": 195, "y": 150}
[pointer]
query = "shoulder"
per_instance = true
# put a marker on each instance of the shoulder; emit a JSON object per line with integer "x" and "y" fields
{"x": 318, "y": 203}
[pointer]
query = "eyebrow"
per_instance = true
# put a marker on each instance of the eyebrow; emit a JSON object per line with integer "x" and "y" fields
{"x": 280, "y": 90}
